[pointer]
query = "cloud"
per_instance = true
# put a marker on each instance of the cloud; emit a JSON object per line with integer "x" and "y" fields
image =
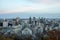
{"x": 44, "y": 1}
{"x": 41, "y": 6}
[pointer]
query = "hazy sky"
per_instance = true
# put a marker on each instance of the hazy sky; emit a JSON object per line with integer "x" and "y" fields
{"x": 34, "y": 6}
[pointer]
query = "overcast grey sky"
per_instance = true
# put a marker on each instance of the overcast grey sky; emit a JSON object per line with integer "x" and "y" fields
{"x": 38, "y": 6}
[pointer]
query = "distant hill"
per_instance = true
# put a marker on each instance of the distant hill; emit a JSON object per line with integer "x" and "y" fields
{"x": 27, "y": 15}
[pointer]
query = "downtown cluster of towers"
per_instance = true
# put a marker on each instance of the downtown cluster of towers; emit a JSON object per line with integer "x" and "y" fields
{"x": 35, "y": 27}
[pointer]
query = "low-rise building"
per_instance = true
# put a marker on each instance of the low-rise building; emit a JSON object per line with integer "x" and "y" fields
{"x": 26, "y": 32}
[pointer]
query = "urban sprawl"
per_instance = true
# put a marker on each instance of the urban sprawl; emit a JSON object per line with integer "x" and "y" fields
{"x": 31, "y": 28}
